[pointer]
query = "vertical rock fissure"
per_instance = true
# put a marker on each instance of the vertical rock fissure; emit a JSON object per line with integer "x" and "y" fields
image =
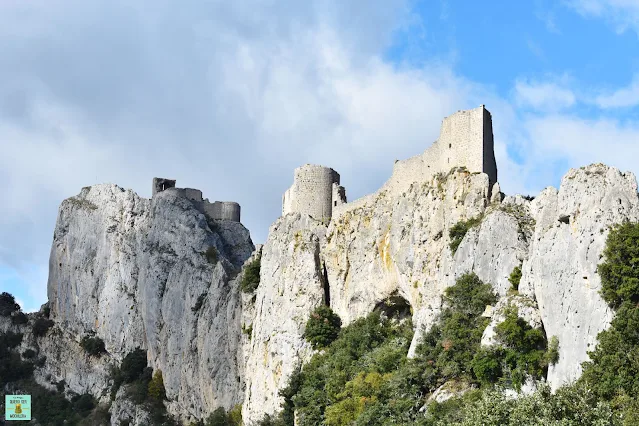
{"x": 327, "y": 289}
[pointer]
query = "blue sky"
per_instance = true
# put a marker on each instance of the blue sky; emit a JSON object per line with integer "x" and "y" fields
{"x": 230, "y": 97}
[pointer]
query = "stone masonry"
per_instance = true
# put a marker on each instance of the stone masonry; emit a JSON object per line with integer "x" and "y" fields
{"x": 315, "y": 192}
{"x": 223, "y": 210}
{"x": 465, "y": 140}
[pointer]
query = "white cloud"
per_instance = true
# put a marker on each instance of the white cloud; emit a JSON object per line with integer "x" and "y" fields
{"x": 624, "y": 97}
{"x": 543, "y": 96}
{"x": 230, "y": 97}
{"x": 622, "y": 14}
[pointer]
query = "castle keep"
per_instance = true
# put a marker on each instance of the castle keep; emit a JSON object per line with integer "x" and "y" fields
{"x": 315, "y": 191}
{"x": 223, "y": 210}
{"x": 465, "y": 140}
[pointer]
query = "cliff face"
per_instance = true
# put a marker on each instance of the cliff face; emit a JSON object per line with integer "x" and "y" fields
{"x": 398, "y": 243}
{"x": 153, "y": 274}
{"x": 136, "y": 272}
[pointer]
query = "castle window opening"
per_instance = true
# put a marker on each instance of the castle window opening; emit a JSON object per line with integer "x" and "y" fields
{"x": 335, "y": 204}
{"x": 450, "y": 145}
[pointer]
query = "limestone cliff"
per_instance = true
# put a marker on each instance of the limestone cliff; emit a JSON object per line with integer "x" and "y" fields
{"x": 161, "y": 275}
{"x": 154, "y": 274}
{"x": 398, "y": 243}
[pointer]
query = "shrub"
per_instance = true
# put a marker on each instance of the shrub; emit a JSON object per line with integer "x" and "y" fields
{"x": 211, "y": 254}
{"x": 10, "y": 340}
{"x": 219, "y": 417}
{"x": 459, "y": 230}
{"x": 94, "y": 346}
{"x": 552, "y": 354}
{"x": 8, "y": 304}
{"x": 613, "y": 370}
{"x": 515, "y": 278}
{"x": 355, "y": 366}
{"x": 133, "y": 365}
{"x": 19, "y": 318}
{"x": 322, "y": 327}
{"x": 487, "y": 365}
{"x": 620, "y": 270}
{"x": 29, "y": 354}
{"x": 41, "y": 326}
{"x": 156, "y": 386}
{"x": 251, "y": 278}
{"x": 524, "y": 351}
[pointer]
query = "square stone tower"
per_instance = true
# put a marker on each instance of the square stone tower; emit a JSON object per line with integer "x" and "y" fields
{"x": 465, "y": 140}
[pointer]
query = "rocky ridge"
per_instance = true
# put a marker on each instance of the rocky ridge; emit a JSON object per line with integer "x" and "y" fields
{"x": 160, "y": 275}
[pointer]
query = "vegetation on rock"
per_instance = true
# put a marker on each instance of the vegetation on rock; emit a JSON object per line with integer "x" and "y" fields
{"x": 41, "y": 326}
{"x": 93, "y": 345}
{"x": 458, "y": 231}
{"x": 515, "y": 278}
{"x": 8, "y": 304}
{"x": 322, "y": 328}
{"x": 251, "y": 278}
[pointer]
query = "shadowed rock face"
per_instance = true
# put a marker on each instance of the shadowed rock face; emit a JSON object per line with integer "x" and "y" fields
{"x": 154, "y": 274}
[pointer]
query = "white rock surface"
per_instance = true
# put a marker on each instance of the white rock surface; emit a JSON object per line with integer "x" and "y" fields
{"x": 291, "y": 286}
{"x": 561, "y": 270}
{"x": 132, "y": 270}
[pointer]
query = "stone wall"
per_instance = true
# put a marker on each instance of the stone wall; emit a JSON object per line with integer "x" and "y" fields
{"x": 221, "y": 210}
{"x": 465, "y": 140}
{"x": 225, "y": 210}
{"x": 315, "y": 191}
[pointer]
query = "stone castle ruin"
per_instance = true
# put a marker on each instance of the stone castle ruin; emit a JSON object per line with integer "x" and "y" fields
{"x": 315, "y": 191}
{"x": 465, "y": 140}
{"x": 222, "y": 210}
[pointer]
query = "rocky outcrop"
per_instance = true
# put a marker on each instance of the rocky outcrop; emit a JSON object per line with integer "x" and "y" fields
{"x": 398, "y": 243}
{"x": 159, "y": 274}
{"x": 292, "y": 284}
{"x": 156, "y": 274}
{"x": 572, "y": 225}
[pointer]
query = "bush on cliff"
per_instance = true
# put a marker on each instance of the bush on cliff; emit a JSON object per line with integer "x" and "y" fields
{"x": 41, "y": 326}
{"x": 8, "y": 304}
{"x": 459, "y": 230}
{"x": 93, "y": 345}
{"x": 251, "y": 278}
{"x": 322, "y": 327}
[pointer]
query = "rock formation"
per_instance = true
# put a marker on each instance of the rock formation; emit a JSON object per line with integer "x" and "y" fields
{"x": 155, "y": 274}
{"x": 163, "y": 275}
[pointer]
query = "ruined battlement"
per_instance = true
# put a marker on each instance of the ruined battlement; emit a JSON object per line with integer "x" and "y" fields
{"x": 315, "y": 192}
{"x": 222, "y": 210}
{"x": 465, "y": 140}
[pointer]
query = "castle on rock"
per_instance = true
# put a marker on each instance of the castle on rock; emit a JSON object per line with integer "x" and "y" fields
{"x": 465, "y": 140}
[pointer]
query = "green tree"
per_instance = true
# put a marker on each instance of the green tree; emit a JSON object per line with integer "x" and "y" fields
{"x": 93, "y": 345}
{"x": 515, "y": 278}
{"x": 620, "y": 270}
{"x": 322, "y": 327}
{"x": 458, "y": 231}
{"x": 613, "y": 370}
{"x": 156, "y": 386}
{"x": 251, "y": 278}
{"x": 8, "y": 304}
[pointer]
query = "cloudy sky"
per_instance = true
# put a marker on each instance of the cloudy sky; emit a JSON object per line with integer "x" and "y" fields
{"x": 231, "y": 96}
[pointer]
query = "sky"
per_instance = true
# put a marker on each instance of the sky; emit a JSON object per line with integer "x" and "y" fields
{"x": 229, "y": 97}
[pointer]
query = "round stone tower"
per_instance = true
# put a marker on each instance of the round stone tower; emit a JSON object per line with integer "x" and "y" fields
{"x": 313, "y": 192}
